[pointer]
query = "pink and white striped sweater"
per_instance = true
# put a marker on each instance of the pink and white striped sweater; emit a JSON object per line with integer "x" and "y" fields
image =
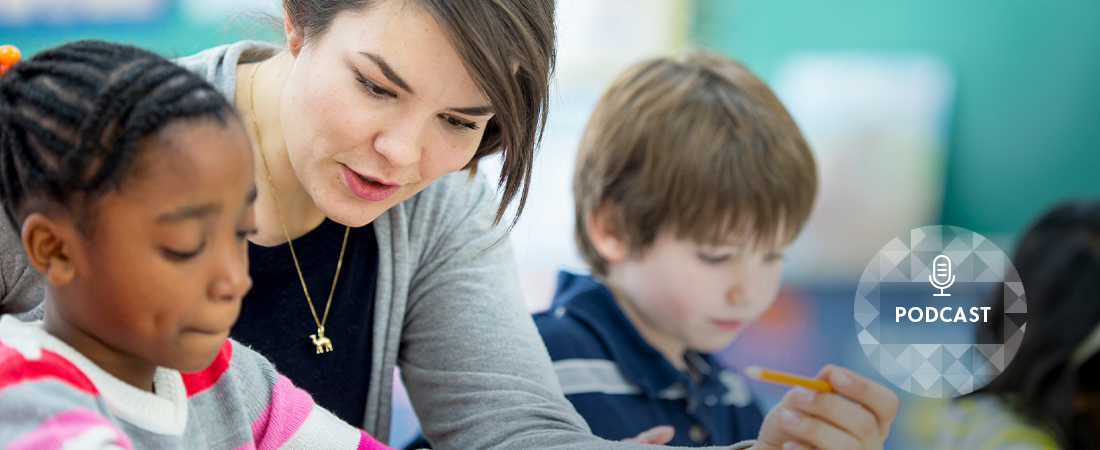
{"x": 52, "y": 397}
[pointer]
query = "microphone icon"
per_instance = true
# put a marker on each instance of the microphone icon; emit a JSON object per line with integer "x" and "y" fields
{"x": 941, "y": 270}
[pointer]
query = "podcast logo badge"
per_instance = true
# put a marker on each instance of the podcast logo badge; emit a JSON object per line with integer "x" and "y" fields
{"x": 958, "y": 309}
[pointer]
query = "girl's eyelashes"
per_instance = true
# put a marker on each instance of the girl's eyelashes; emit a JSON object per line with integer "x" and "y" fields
{"x": 372, "y": 88}
{"x": 244, "y": 234}
{"x": 459, "y": 124}
{"x": 180, "y": 256}
{"x": 774, "y": 256}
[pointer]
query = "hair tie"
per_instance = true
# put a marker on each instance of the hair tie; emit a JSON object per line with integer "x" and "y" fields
{"x": 9, "y": 55}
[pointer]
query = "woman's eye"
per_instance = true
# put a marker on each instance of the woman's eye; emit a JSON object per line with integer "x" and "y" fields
{"x": 774, "y": 256}
{"x": 183, "y": 255}
{"x": 460, "y": 124}
{"x": 372, "y": 88}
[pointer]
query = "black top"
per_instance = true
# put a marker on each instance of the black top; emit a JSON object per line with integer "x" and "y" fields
{"x": 275, "y": 318}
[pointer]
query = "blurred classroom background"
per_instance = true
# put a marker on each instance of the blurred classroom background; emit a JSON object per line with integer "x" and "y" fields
{"x": 977, "y": 114}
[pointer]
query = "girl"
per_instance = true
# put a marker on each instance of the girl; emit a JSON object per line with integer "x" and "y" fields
{"x": 131, "y": 182}
{"x": 1049, "y": 396}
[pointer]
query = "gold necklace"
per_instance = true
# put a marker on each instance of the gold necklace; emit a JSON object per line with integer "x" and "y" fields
{"x": 322, "y": 343}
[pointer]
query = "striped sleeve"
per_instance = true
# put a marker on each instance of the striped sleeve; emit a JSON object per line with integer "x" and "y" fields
{"x": 46, "y": 403}
{"x": 242, "y": 383}
{"x": 292, "y": 421}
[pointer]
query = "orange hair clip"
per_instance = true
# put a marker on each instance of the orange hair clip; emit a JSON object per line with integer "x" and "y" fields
{"x": 9, "y": 55}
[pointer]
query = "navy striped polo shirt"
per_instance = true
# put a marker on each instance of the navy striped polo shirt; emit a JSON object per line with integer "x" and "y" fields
{"x": 623, "y": 386}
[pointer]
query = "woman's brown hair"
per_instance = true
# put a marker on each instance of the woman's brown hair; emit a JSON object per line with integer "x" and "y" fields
{"x": 507, "y": 47}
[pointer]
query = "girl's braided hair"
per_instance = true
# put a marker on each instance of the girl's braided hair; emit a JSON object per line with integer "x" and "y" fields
{"x": 71, "y": 119}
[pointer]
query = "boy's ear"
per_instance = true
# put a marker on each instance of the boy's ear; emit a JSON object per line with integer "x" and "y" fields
{"x": 45, "y": 242}
{"x": 605, "y": 234}
{"x": 294, "y": 38}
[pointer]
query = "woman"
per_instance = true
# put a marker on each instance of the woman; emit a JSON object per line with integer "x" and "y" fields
{"x": 369, "y": 104}
{"x": 376, "y": 245}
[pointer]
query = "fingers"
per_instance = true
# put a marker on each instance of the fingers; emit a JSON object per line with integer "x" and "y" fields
{"x": 658, "y": 435}
{"x": 857, "y": 415}
{"x": 878, "y": 399}
{"x": 815, "y": 432}
{"x": 848, "y": 416}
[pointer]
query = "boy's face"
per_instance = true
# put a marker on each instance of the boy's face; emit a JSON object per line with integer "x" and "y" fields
{"x": 684, "y": 295}
{"x": 159, "y": 278}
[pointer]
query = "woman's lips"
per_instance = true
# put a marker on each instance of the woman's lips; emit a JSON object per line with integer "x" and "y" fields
{"x": 728, "y": 325}
{"x": 367, "y": 190}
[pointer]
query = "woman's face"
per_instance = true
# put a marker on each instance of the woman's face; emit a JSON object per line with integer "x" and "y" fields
{"x": 377, "y": 108}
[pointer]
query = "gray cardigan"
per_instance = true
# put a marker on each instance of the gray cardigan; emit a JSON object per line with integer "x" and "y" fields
{"x": 448, "y": 311}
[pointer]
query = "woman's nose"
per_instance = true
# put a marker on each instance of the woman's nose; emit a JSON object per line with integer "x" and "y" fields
{"x": 400, "y": 144}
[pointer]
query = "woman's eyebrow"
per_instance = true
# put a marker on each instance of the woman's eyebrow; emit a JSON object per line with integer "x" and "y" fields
{"x": 475, "y": 110}
{"x": 396, "y": 79}
{"x": 387, "y": 71}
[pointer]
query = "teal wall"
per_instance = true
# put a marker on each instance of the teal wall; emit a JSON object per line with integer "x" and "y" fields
{"x": 1026, "y": 128}
{"x": 171, "y": 35}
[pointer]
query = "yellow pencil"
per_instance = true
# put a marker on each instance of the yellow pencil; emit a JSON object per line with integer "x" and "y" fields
{"x": 775, "y": 376}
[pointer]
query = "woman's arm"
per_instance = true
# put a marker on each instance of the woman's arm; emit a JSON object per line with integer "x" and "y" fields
{"x": 22, "y": 288}
{"x": 476, "y": 370}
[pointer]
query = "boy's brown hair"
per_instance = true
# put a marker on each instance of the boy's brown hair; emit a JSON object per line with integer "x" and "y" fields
{"x": 698, "y": 145}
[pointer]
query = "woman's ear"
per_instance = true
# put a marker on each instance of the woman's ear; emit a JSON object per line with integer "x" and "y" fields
{"x": 605, "y": 234}
{"x": 294, "y": 38}
{"x": 48, "y": 244}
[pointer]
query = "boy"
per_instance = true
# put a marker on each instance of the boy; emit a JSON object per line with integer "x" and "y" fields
{"x": 691, "y": 179}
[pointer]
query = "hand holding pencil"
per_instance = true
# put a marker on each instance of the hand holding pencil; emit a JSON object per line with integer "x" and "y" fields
{"x": 839, "y": 409}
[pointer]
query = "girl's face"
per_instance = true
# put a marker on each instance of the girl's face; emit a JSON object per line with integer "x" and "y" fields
{"x": 376, "y": 108}
{"x": 159, "y": 277}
